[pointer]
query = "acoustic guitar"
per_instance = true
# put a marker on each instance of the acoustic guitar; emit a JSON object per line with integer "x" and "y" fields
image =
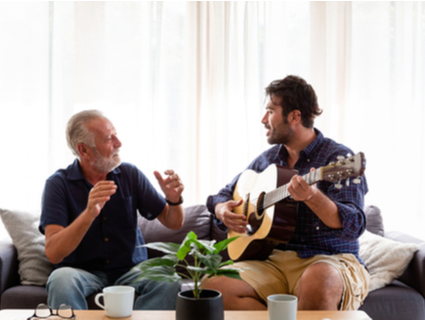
{"x": 271, "y": 212}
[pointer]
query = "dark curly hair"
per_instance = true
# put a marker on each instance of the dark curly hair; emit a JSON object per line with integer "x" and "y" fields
{"x": 296, "y": 94}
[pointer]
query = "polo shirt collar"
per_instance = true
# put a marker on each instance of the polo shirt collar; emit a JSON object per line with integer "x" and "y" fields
{"x": 75, "y": 173}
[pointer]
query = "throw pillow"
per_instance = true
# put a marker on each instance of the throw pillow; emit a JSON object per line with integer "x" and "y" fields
{"x": 34, "y": 267}
{"x": 386, "y": 259}
{"x": 374, "y": 221}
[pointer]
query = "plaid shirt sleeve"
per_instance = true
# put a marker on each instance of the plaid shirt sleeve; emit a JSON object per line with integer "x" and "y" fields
{"x": 350, "y": 202}
{"x": 223, "y": 195}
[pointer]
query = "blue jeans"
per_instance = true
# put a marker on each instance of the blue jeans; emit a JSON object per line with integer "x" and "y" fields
{"x": 71, "y": 286}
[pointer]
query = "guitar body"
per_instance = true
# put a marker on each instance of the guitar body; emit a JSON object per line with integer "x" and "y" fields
{"x": 269, "y": 209}
{"x": 268, "y": 226}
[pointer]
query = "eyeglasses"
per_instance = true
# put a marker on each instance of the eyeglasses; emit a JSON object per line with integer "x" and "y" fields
{"x": 44, "y": 311}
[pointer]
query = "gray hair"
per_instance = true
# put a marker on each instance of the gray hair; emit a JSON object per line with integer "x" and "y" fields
{"x": 77, "y": 132}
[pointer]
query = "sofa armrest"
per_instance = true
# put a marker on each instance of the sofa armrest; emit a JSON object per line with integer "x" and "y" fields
{"x": 9, "y": 276}
{"x": 414, "y": 275}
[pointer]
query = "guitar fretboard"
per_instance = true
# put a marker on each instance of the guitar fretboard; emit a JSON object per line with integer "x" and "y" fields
{"x": 273, "y": 197}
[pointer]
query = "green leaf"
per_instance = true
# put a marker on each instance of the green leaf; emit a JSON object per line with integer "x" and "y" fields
{"x": 168, "y": 260}
{"x": 226, "y": 263}
{"x": 231, "y": 273}
{"x": 192, "y": 235}
{"x": 207, "y": 245}
{"x": 199, "y": 269}
{"x": 166, "y": 247}
{"x": 160, "y": 273}
{"x": 211, "y": 261}
{"x": 185, "y": 247}
{"x": 223, "y": 244}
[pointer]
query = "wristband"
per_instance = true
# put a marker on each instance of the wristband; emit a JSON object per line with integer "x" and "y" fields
{"x": 174, "y": 203}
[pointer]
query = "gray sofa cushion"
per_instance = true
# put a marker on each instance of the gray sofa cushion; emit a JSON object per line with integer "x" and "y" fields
{"x": 414, "y": 275}
{"x": 196, "y": 218}
{"x": 394, "y": 302}
{"x": 23, "y": 297}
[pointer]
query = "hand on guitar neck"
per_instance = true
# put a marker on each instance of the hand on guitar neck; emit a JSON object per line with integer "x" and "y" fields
{"x": 233, "y": 221}
{"x": 320, "y": 204}
{"x": 300, "y": 190}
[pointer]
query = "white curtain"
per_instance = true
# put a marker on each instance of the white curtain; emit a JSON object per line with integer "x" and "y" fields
{"x": 183, "y": 83}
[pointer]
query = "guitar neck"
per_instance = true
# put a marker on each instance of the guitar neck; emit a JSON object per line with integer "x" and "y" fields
{"x": 281, "y": 193}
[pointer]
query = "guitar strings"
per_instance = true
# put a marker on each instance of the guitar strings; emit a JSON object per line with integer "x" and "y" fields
{"x": 282, "y": 192}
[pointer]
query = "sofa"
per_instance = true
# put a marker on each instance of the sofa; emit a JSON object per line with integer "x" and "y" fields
{"x": 399, "y": 298}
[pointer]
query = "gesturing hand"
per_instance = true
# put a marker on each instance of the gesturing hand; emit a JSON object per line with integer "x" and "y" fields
{"x": 232, "y": 220}
{"x": 171, "y": 185}
{"x": 98, "y": 196}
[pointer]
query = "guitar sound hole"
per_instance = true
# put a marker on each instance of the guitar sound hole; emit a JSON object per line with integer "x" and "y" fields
{"x": 260, "y": 206}
{"x": 256, "y": 219}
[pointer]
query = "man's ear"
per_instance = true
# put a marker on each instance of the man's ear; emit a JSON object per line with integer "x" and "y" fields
{"x": 82, "y": 150}
{"x": 294, "y": 117}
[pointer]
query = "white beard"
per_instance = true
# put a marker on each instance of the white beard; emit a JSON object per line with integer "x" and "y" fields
{"x": 103, "y": 164}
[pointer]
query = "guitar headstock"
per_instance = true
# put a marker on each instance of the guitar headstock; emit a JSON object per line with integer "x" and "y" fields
{"x": 345, "y": 168}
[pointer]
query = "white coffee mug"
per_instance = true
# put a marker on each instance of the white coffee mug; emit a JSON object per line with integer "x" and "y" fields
{"x": 118, "y": 301}
{"x": 282, "y": 306}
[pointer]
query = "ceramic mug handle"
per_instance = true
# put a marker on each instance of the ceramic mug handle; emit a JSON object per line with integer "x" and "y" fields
{"x": 96, "y": 300}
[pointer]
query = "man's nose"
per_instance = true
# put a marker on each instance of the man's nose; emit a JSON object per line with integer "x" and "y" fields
{"x": 117, "y": 143}
{"x": 264, "y": 119}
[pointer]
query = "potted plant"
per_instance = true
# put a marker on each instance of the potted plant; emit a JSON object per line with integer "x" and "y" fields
{"x": 196, "y": 303}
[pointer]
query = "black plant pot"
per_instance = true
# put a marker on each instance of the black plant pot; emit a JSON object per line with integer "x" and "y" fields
{"x": 208, "y": 307}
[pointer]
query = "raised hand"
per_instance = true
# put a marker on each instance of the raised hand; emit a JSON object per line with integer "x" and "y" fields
{"x": 232, "y": 220}
{"x": 99, "y": 195}
{"x": 171, "y": 185}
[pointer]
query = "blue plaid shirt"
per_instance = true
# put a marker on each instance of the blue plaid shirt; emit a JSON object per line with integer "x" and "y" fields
{"x": 311, "y": 236}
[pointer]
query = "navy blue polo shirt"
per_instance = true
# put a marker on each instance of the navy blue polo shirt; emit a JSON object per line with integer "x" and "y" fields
{"x": 111, "y": 243}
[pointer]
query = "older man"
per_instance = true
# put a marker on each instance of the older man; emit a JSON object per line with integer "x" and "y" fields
{"x": 89, "y": 217}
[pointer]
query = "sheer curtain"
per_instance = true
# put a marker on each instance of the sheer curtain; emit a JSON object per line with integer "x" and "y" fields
{"x": 370, "y": 73}
{"x": 183, "y": 83}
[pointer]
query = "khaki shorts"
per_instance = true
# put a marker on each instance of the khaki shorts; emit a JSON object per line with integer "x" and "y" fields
{"x": 282, "y": 271}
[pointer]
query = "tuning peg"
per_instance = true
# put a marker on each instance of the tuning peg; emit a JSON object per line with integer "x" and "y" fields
{"x": 347, "y": 182}
{"x": 357, "y": 180}
{"x": 338, "y": 185}
{"x": 341, "y": 160}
